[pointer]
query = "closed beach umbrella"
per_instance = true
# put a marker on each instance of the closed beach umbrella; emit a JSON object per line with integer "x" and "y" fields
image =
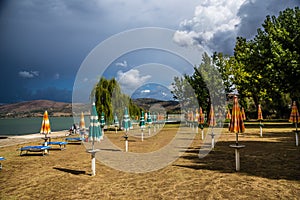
{"x": 260, "y": 118}
{"x": 95, "y": 131}
{"x": 294, "y": 118}
{"x": 116, "y": 122}
{"x": 201, "y": 116}
{"x": 94, "y": 135}
{"x": 102, "y": 124}
{"x": 125, "y": 123}
{"x": 211, "y": 117}
{"x": 228, "y": 115}
{"x": 82, "y": 122}
{"x": 149, "y": 119}
{"x": 142, "y": 121}
{"x": 212, "y": 122}
{"x": 243, "y": 114}
{"x": 45, "y": 128}
{"x": 236, "y": 122}
{"x": 201, "y": 122}
{"x": 236, "y": 126}
{"x": 142, "y": 124}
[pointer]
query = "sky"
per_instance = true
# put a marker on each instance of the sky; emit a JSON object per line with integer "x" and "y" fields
{"x": 44, "y": 43}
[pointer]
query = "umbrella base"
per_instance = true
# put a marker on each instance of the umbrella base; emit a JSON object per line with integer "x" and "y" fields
{"x": 237, "y": 155}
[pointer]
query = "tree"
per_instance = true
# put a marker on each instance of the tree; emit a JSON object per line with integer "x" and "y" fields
{"x": 109, "y": 99}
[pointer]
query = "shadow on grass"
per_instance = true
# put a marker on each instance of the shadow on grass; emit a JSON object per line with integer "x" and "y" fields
{"x": 279, "y": 159}
{"x": 71, "y": 171}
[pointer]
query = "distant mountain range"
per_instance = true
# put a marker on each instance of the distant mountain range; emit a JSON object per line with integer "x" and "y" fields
{"x": 36, "y": 108}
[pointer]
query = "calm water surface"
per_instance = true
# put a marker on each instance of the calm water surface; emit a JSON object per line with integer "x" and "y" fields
{"x": 22, "y": 126}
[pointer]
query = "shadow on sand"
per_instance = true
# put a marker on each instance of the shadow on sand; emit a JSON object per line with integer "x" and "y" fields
{"x": 278, "y": 159}
{"x": 71, "y": 171}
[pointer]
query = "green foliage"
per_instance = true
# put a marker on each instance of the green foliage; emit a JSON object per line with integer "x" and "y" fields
{"x": 266, "y": 68}
{"x": 109, "y": 99}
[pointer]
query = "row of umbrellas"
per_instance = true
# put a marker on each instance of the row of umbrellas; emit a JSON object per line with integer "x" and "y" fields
{"x": 96, "y": 128}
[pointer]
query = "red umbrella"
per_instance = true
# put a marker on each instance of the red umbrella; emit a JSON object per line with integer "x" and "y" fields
{"x": 236, "y": 122}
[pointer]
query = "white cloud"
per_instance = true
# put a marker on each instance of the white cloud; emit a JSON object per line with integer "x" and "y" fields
{"x": 28, "y": 74}
{"x": 131, "y": 79}
{"x": 145, "y": 91}
{"x": 122, "y": 64}
{"x": 211, "y": 18}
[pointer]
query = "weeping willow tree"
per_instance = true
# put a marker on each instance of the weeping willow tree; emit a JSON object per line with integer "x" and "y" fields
{"x": 110, "y": 100}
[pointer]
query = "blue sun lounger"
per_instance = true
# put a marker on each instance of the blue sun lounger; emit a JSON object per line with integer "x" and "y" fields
{"x": 62, "y": 145}
{"x": 1, "y": 158}
{"x": 74, "y": 139}
{"x": 42, "y": 149}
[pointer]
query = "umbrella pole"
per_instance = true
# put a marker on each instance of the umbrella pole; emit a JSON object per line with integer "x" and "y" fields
{"x": 260, "y": 128}
{"x": 212, "y": 138}
{"x": 202, "y": 134}
{"x": 237, "y": 139}
{"x": 142, "y": 134}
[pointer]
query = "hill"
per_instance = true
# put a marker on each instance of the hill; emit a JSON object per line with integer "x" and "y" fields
{"x": 146, "y": 103}
{"x": 35, "y": 108}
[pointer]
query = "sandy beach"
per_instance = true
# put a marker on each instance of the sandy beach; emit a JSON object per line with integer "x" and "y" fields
{"x": 23, "y": 139}
{"x": 270, "y": 169}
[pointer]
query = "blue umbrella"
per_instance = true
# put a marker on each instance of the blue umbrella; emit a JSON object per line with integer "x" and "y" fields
{"x": 95, "y": 131}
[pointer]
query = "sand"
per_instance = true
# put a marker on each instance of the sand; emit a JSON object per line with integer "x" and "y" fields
{"x": 270, "y": 169}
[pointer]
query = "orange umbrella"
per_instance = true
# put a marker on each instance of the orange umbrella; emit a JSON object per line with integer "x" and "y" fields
{"x": 260, "y": 118}
{"x": 243, "y": 114}
{"x": 211, "y": 117}
{"x": 45, "y": 129}
{"x": 259, "y": 113}
{"x": 236, "y": 122}
{"x": 82, "y": 123}
{"x": 201, "y": 122}
{"x": 228, "y": 115}
{"x": 201, "y": 116}
{"x": 294, "y": 117}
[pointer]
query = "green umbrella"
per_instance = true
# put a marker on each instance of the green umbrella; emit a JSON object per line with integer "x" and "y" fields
{"x": 142, "y": 124}
{"x": 95, "y": 134}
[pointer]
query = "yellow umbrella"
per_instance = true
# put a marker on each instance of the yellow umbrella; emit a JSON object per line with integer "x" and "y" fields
{"x": 45, "y": 128}
{"x": 82, "y": 122}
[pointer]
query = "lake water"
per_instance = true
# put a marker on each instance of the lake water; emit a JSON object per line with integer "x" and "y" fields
{"x": 23, "y": 126}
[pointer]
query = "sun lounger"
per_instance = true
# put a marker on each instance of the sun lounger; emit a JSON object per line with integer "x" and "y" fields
{"x": 74, "y": 139}
{"x": 42, "y": 149}
{"x": 62, "y": 145}
{"x": 1, "y": 158}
